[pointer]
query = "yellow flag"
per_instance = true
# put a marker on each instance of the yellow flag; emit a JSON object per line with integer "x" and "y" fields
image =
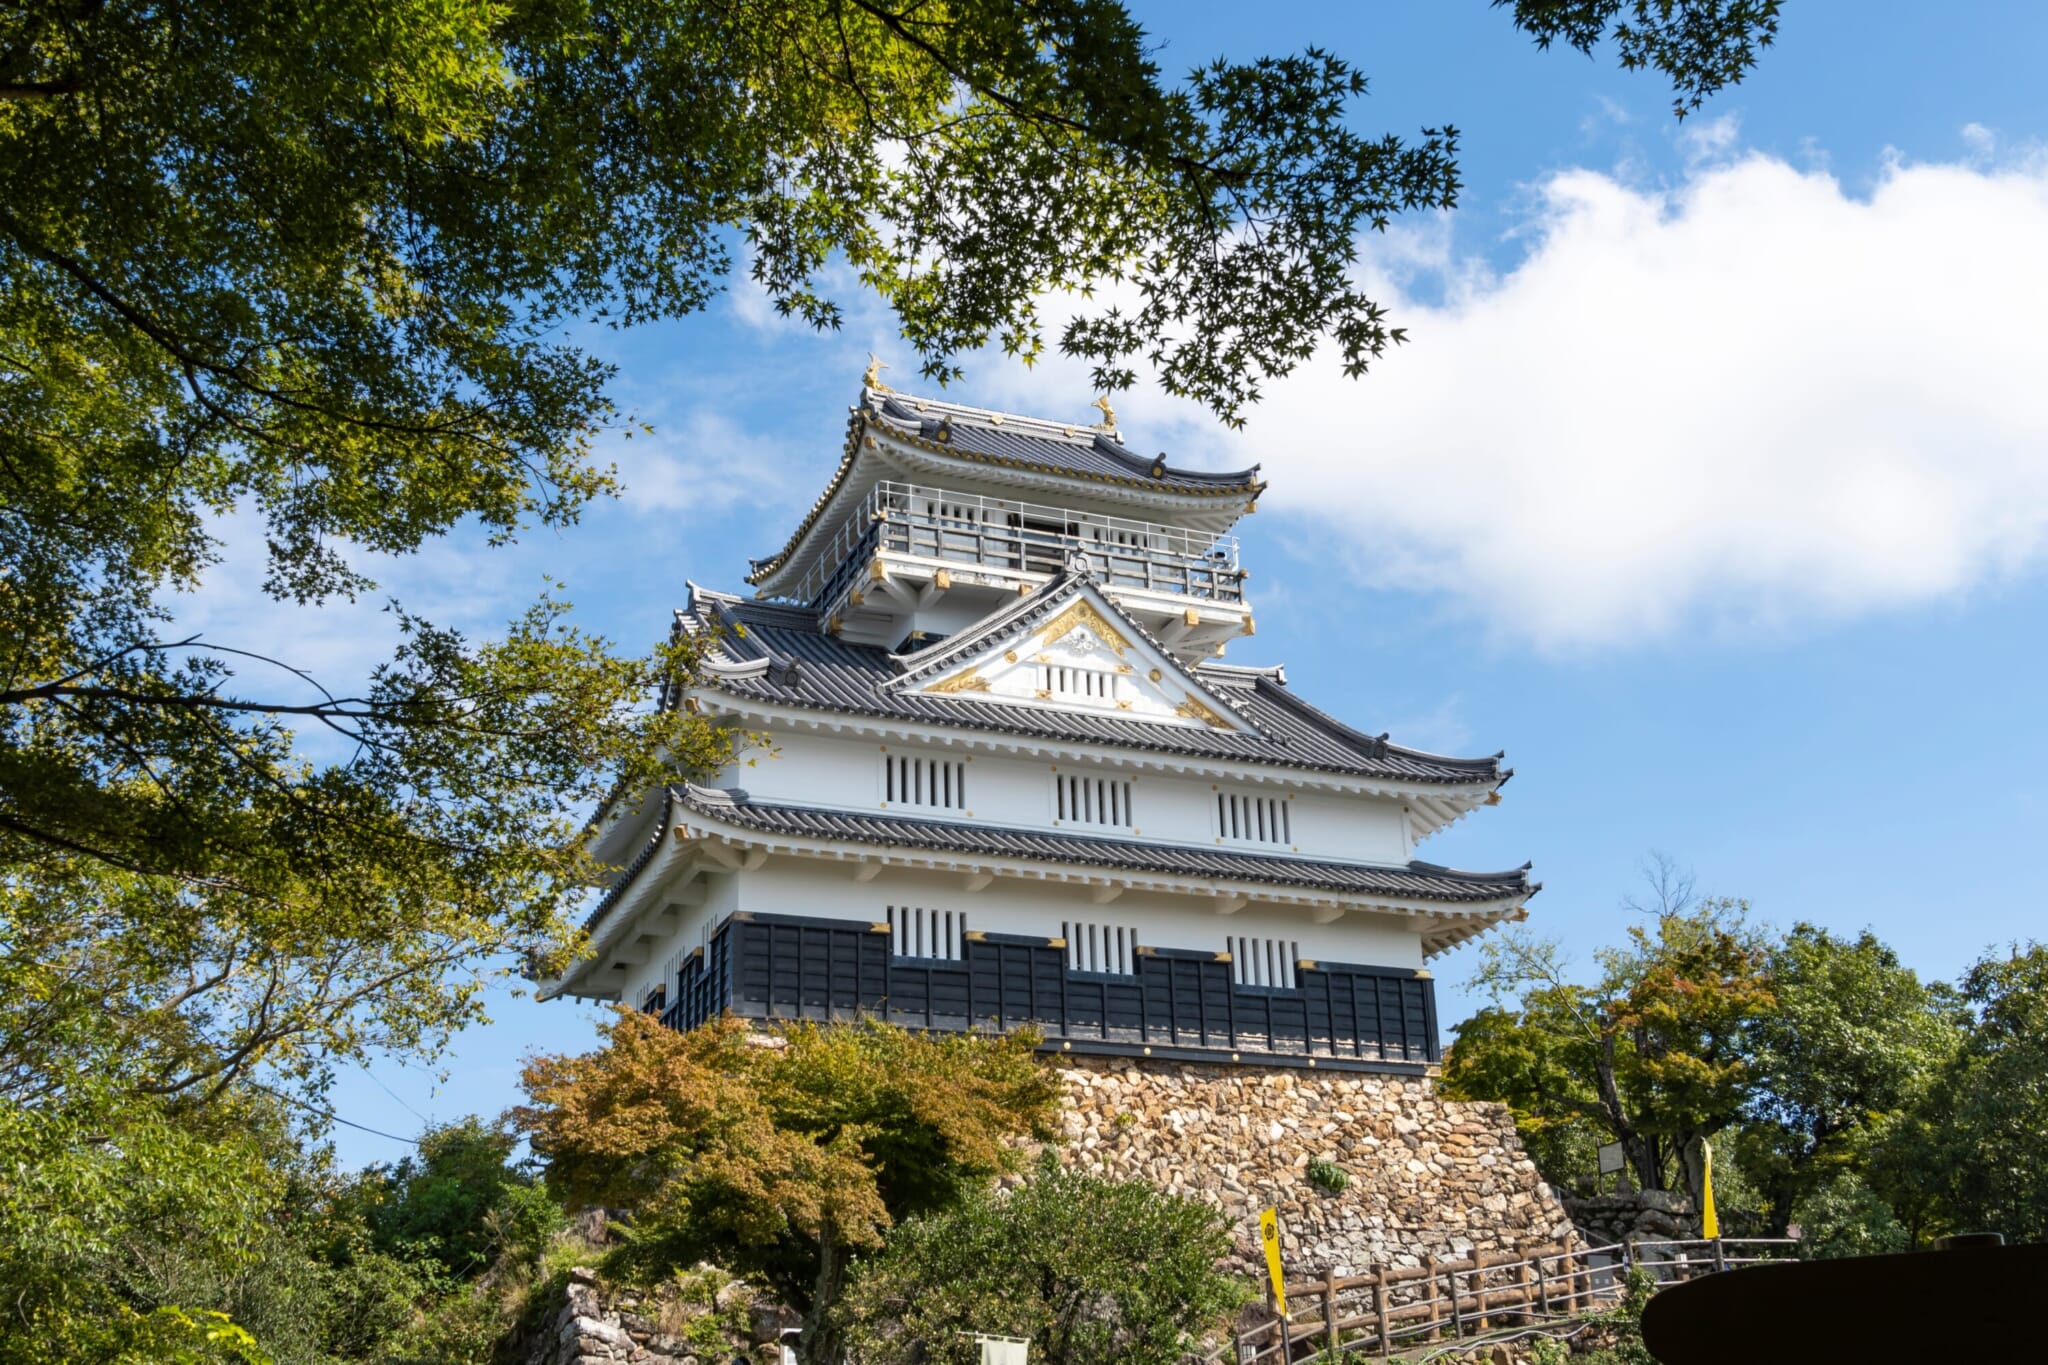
{"x": 1269, "y": 1233}
{"x": 1710, "y": 1223}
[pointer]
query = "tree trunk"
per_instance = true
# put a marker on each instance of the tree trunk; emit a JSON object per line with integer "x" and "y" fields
{"x": 822, "y": 1341}
{"x": 1641, "y": 1156}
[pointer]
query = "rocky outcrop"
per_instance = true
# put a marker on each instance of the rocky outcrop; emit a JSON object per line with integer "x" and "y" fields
{"x": 1421, "y": 1175}
{"x": 594, "y": 1326}
{"x": 1644, "y": 1215}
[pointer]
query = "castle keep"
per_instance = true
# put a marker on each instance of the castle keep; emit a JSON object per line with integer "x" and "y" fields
{"x": 1009, "y": 779}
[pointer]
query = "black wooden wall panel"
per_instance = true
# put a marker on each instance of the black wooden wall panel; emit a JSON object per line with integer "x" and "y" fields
{"x": 790, "y": 967}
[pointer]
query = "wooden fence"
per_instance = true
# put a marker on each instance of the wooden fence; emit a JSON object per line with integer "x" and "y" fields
{"x": 1410, "y": 1307}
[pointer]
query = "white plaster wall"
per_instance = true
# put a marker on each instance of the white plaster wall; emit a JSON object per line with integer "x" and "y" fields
{"x": 675, "y": 932}
{"x": 841, "y": 774}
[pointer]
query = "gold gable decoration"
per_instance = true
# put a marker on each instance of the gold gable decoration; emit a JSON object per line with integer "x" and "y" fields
{"x": 1084, "y": 614}
{"x": 970, "y": 681}
{"x": 1193, "y": 709}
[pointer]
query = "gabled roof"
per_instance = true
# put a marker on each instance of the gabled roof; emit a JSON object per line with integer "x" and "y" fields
{"x": 1072, "y": 597}
{"x": 776, "y": 655}
{"x": 959, "y": 435}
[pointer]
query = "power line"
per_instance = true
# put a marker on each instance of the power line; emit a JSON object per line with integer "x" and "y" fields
{"x": 333, "y": 1117}
{"x": 393, "y": 1094}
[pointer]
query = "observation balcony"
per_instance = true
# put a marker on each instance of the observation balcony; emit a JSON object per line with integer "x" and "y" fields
{"x": 914, "y": 562}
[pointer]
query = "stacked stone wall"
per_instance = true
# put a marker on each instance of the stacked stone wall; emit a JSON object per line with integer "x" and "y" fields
{"x": 1427, "y": 1176}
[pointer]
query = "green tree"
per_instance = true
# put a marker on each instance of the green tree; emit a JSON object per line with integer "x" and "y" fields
{"x": 1987, "y": 1115}
{"x": 457, "y": 1202}
{"x": 786, "y": 1160}
{"x": 108, "y": 1204}
{"x": 1852, "y": 1044}
{"x": 1655, "y": 1055}
{"x": 1093, "y": 1271}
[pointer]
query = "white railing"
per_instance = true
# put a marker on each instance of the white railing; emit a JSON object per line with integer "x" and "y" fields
{"x": 1025, "y": 537}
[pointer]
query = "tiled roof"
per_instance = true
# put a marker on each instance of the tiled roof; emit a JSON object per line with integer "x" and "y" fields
{"x": 812, "y": 670}
{"x": 1416, "y": 881}
{"x": 1036, "y": 443}
{"x": 1003, "y": 440}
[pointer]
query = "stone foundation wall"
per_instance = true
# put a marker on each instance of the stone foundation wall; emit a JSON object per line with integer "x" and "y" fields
{"x": 1428, "y": 1176}
{"x": 1645, "y": 1215}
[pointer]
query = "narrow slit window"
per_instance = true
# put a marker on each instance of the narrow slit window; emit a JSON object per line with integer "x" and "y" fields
{"x": 934, "y": 783}
{"x": 1111, "y": 949}
{"x": 920, "y": 931}
{"x": 1247, "y": 819}
{"x": 1081, "y": 799}
{"x": 1256, "y": 961}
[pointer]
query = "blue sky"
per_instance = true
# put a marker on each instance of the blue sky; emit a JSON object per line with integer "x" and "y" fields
{"x": 1713, "y": 485}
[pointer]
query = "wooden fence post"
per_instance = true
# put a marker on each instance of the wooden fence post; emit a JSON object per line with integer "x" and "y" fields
{"x": 1330, "y": 1307}
{"x": 1457, "y": 1309}
{"x": 1380, "y": 1302}
{"x": 1479, "y": 1259}
{"x": 1525, "y": 1296}
{"x": 1429, "y": 1288}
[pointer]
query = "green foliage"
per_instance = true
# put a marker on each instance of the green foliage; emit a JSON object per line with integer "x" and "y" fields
{"x": 1840, "y": 1091}
{"x": 1991, "y": 1103}
{"x": 1093, "y": 1271}
{"x": 1701, "y": 45}
{"x": 1328, "y": 1176}
{"x": 1854, "y": 1042}
{"x": 110, "y": 1209}
{"x": 135, "y": 1228}
{"x": 780, "y": 1162}
{"x": 1655, "y": 1055}
{"x": 460, "y": 1202}
{"x": 1845, "y": 1216}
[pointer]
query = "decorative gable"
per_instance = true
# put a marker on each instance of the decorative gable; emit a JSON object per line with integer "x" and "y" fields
{"x": 1074, "y": 652}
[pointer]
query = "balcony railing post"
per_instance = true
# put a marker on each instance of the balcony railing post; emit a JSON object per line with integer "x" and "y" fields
{"x": 914, "y": 519}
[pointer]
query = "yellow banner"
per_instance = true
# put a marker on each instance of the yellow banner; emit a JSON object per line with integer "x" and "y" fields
{"x": 1269, "y": 1233}
{"x": 1710, "y": 1222}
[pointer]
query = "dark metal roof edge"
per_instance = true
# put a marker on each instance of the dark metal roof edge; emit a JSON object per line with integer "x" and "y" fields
{"x": 1107, "y": 443}
{"x": 1376, "y": 746}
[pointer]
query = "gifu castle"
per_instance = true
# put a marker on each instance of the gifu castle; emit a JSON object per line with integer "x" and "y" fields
{"x": 1004, "y": 777}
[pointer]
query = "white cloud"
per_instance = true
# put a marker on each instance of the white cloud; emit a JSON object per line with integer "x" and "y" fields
{"x": 704, "y": 464}
{"x": 1751, "y": 399}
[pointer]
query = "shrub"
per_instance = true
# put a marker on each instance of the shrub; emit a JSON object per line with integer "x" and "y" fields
{"x": 1328, "y": 1176}
{"x": 1093, "y": 1271}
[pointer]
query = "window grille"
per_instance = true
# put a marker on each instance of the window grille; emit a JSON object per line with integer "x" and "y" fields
{"x": 1088, "y": 684}
{"x": 915, "y": 931}
{"x": 1247, "y": 819}
{"x": 1262, "y": 961}
{"x": 940, "y": 783}
{"x": 1082, "y": 800}
{"x": 1111, "y": 948}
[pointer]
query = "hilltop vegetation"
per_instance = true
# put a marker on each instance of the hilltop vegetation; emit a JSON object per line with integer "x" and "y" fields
{"x": 1840, "y": 1092}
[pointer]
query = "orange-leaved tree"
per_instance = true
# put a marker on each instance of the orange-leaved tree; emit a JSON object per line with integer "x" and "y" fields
{"x": 786, "y": 1155}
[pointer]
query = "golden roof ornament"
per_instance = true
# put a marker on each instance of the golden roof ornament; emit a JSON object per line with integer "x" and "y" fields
{"x": 873, "y": 378}
{"x": 1108, "y": 422}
